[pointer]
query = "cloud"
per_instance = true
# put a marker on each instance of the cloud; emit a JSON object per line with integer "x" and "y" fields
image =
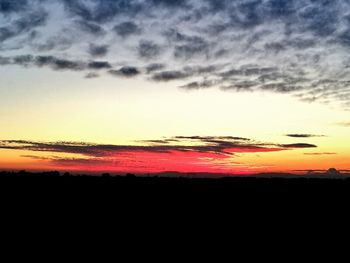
{"x": 23, "y": 25}
{"x": 200, "y": 84}
{"x": 317, "y": 154}
{"x": 91, "y": 28}
{"x": 126, "y": 29}
{"x": 125, "y": 72}
{"x": 55, "y": 63}
{"x": 70, "y": 161}
{"x": 10, "y": 6}
{"x": 170, "y": 75}
{"x": 217, "y": 144}
{"x": 149, "y": 68}
{"x": 101, "y": 11}
{"x": 22, "y": 60}
{"x": 187, "y": 46}
{"x": 171, "y": 3}
{"x": 296, "y": 47}
{"x": 298, "y": 145}
{"x": 98, "y": 50}
{"x": 58, "y": 63}
{"x": 183, "y": 153}
{"x": 58, "y": 42}
{"x": 148, "y": 49}
{"x": 196, "y": 47}
{"x": 206, "y": 138}
{"x": 344, "y": 124}
{"x": 304, "y": 135}
{"x": 92, "y": 75}
{"x": 99, "y": 65}
{"x": 5, "y": 61}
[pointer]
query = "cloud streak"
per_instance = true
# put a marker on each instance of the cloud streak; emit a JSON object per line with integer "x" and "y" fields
{"x": 183, "y": 153}
{"x": 319, "y": 154}
{"x": 344, "y": 124}
{"x": 54, "y": 63}
{"x": 304, "y": 135}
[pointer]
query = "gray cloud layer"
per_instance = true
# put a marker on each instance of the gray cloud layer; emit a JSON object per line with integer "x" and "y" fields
{"x": 299, "y": 47}
{"x": 225, "y": 145}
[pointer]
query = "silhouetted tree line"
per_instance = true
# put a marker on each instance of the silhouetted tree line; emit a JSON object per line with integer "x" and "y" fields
{"x": 123, "y": 188}
{"x": 330, "y": 174}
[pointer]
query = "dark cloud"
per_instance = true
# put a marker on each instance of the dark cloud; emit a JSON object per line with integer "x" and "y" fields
{"x": 101, "y": 11}
{"x": 275, "y": 47}
{"x": 281, "y": 87}
{"x": 91, "y": 28}
{"x": 58, "y": 42}
{"x": 225, "y": 145}
{"x": 298, "y": 145}
{"x": 155, "y": 141}
{"x": 238, "y": 85}
{"x": 171, "y": 3}
{"x": 320, "y": 18}
{"x": 23, "y": 25}
{"x": 170, "y": 75}
{"x": 317, "y": 154}
{"x": 148, "y": 49}
{"x": 210, "y": 138}
{"x": 55, "y": 63}
{"x": 92, "y": 75}
{"x": 218, "y": 5}
{"x": 89, "y": 162}
{"x": 79, "y": 9}
{"x": 200, "y": 70}
{"x": 99, "y": 65}
{"x": 24, "y": 60}
{"x": 10, "y": 6}
{"x": 190, "y": 50}
{"x": 58, "y": 63}
{"x": 248, "y": 15}
{"x": 280, "y": 8}
{"x": 187, "y": 46}
{"x": 199, "y": 84}
{"x": 98, "y": 50}
{"x": 125, "y": 72}
{"x": 304, "y": 135}
{"x": 154, "y": 67}
{"x": 126, "y": 29}
{"x": 248, "y": 71}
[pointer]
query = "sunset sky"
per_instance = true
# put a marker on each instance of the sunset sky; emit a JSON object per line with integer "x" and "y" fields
{"x": 148, "y": 86}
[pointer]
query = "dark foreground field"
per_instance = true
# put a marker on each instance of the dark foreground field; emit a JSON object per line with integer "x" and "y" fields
{"x": 51, "y": 183}
{"x": 164, "y": 198}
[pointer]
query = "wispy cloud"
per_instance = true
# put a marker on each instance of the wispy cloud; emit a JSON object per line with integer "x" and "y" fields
{"x": 304, "y": 135}
{"x": 186, "y": 153}
{"x": 344, "y": 124}
{"x": 298, "y": 145}
{"x": 321, "y": 153}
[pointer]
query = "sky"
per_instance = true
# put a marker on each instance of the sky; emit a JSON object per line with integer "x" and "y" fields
{"x": 149, "y": 86}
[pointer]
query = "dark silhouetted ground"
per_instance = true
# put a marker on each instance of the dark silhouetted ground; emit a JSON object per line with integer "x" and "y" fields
{"x": 158, "y": 186}
{"x": 163, "y": 199}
